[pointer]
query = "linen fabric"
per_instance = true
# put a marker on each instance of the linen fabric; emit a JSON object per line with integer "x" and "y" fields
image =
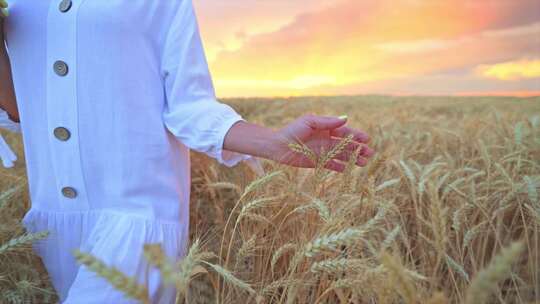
{"x": 130, "y": 82}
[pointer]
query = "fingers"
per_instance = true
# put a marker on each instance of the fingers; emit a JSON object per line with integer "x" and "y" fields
{"x": 345, "y": 157}
{"x": 351, "y": 148}
{"x": 338, "y": 162}
{"x": 349, "y": 151}
{"x": 344, "y": 131}
{"x": 335, "y": 166}
{"x": 323, "y": 122}
{"x": 334, "y": 130}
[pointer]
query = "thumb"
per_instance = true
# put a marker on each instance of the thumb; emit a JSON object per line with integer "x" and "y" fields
{"x": 325, "y": 122}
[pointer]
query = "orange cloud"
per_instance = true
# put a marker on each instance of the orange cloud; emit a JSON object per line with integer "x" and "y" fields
{"x": 512, "y": 70}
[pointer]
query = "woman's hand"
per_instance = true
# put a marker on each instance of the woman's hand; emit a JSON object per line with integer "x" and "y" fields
{"x": 320, "y": 134}
{"x": 3, "y": 9}
{"x": 317, "y": 133}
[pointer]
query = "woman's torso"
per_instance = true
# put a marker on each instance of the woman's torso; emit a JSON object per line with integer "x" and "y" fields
{"x": 94, "y": 70}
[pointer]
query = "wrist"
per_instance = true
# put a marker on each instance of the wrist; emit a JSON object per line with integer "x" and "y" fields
{"x": 266, "y": 142}
{"x": 276, "y": 146}
{"x": 13, "y": 118}
{"x": 248, "y": 138}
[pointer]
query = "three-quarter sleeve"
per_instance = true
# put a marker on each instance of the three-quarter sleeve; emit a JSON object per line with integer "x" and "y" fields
{"x": 192, "y": 112}
{"x": 6, "y": 154}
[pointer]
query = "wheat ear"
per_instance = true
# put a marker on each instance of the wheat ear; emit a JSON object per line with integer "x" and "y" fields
{"x": 498, "y": 269}
{"x": 22, "y": 240}
{"x": 114, "y": 276}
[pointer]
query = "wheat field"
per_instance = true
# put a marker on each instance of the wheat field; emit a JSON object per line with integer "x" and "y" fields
{"x": 447, "y": 212}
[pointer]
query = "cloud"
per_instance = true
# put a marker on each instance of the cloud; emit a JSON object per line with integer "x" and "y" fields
{"x": 431, "y": 45}
{"x": 502, "y": 14}
{"x": 222, "y": 21}
{"x": 527, "y": 29}
{"x": 356, "y": 46}
{"x": 417, "y": 46}
{"x": 511, "y": 71}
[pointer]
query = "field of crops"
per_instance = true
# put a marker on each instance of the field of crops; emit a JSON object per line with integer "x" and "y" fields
{"x": 447, "y": 212}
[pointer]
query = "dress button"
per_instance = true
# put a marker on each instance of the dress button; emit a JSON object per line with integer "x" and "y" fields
{"x": 62, "y": 133}
{"x": 69, "y": 192}
{"x": 64, "y": 5}
{"x": 60, "y": 68}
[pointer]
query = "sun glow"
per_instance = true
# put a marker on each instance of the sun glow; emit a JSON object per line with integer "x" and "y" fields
{"x": 513, "y": 70}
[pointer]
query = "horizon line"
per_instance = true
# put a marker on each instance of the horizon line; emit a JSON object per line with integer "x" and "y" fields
{"x": 522, "y": 95}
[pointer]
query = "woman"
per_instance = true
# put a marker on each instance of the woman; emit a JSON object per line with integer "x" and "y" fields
{"x": 111, "y": 96}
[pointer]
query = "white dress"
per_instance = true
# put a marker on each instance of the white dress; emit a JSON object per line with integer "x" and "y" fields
{"x": 112, "y": 94}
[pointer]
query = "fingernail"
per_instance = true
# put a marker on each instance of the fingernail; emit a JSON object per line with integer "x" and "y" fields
{"x": 363, "y": 138}
{"x": 343, "y": 117}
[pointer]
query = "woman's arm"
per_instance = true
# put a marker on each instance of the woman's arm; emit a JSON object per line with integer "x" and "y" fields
{"x": 7, "y": 92}
{"x": 316, "y": 132}
{"x": 248, "y": 138}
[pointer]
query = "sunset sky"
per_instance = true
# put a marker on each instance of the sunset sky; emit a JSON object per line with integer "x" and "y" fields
{"x": 329, "y": 47}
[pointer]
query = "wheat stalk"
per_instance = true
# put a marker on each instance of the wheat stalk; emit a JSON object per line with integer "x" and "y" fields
{"x": 280, "y": 252}
{"x": 333, "y": 266}
{"x": 259, "y": 183}
{"x": 115, "y": 277}
{"x": 21, "y": 241}
{"x": 400, "y": 277}
{"x": 499, "y": 268}
{"x": 230, "y": 278}
{"x": 323, "y": 243}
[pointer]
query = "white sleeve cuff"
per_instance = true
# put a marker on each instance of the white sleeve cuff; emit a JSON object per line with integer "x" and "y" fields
{"x": 226, "y": 157}
{"x": 6, "y": 154}
{"x": 8, "y": 124}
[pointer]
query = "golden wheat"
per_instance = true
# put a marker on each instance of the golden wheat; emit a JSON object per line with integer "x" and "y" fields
{"x": 454, "y": 180}
{"x": 498, "y": 269}
{"x": 114, "y": 276}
